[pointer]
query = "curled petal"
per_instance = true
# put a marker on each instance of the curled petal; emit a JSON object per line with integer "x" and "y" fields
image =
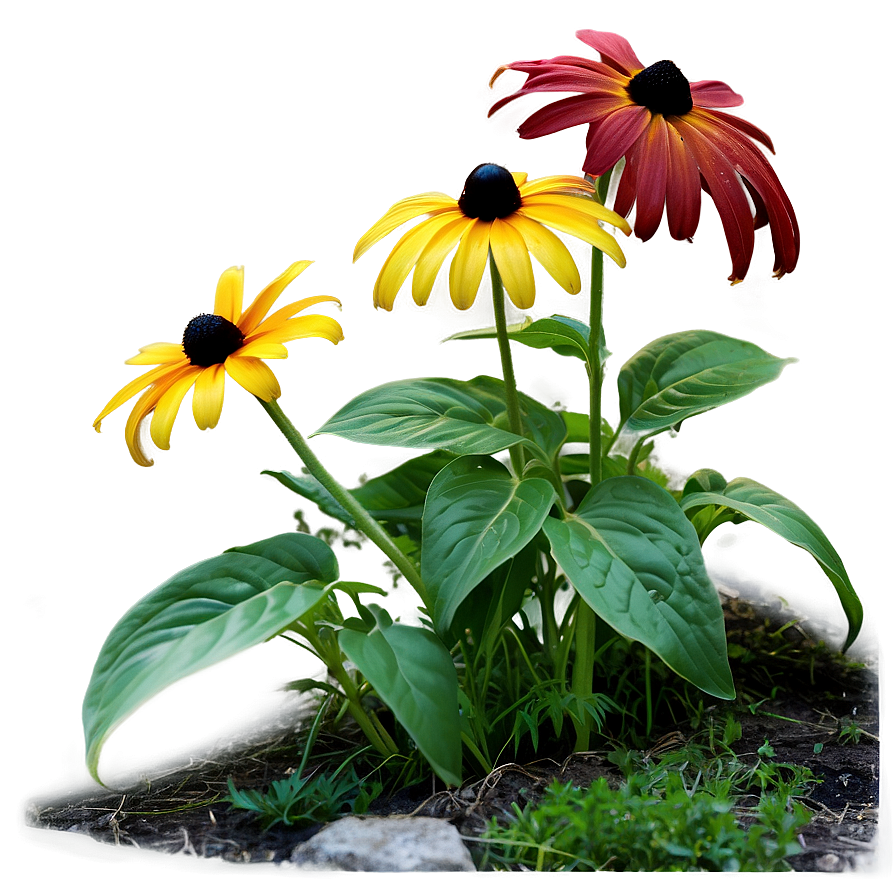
{"x": 168, "y": 405}
{"x": 138, "y": 385}
{"x": 141, "y": 410}
{"x": 208, "y": 396}
{"x": 297, "y": 328}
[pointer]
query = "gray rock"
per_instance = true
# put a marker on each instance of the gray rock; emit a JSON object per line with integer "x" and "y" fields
{"x": 385, "y": 844}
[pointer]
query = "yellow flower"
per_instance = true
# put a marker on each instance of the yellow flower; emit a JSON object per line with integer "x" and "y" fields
{"x": 229, "y": 341}
{"x": 501, "y": 212}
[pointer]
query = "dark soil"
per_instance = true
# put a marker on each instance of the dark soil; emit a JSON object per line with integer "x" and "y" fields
{"x": 811, "y": 695}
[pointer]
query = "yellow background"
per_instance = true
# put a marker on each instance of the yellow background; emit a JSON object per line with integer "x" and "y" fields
{"x": 147, "y": 147}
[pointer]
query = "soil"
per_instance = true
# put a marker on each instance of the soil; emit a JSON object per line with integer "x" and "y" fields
{"x": 815, "y": 694}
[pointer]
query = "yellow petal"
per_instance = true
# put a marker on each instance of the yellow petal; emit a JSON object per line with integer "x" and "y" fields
{"x": 158, "y": 353}
{"x": 208, "y": 396}
{"x": 579, "y": 225}
{"x": 403, "y": 258}
{"x": 137, "y": 385}
{"x": 141, "y": 409}
{"x": 264, "y": 301}
{"x": 168, "y": 405}
{"x": 557, "y": 182}
{"x": 583, "y": 204}
{"x": 254, "y": 376}
{"x": 519, "y": 178}
{"x": 550, "y": 251}
{"x": 401, "y": 213}
{"x": 281, "y": 315}
{"x": 298, "y": 328}
{"x": 229, "y": 294}
{"x": 433, "y": 255}
{"x": 465, "y": 273}
{"x": 514, "y": 266}
{"x": 262, "y": 349}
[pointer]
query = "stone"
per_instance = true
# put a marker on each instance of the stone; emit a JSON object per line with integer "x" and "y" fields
{"x": 392, "y": 843}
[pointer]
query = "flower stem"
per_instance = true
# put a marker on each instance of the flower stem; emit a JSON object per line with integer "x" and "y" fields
{"x": 363, "y": 521}
{"x": 586, "y": 622}
{"x": 513, "y": 402}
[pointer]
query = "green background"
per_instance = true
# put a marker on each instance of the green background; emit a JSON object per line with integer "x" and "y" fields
{"x": 148, "y": 146}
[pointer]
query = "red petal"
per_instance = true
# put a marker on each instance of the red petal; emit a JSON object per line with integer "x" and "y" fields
{"x": 612, "y": 137}
{"x": 613, "y": 49}
{"x": 727, "y": 192}
{"x": 743, "y": 126}
{"x": 569, "y": 112}
{"x": 714, "y": 93}
{"x": 650, "y": 155}
{"x": 682, "y": 190}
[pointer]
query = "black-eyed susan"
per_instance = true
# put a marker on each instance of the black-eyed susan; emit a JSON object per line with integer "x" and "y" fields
{"x": 230, "y": 341}
{"x": 673, "y": 140}
{"x": 501, "y": 212}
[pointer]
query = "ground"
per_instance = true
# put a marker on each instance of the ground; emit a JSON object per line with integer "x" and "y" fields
{"x": 814, "y": 701}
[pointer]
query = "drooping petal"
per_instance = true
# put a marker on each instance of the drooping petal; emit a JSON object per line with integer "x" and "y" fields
{"x": 434, "y": 255}
{"x": 468, "y": 265}
{"x": 401, "y": 213}
{"x": 254, "y": 376}
{"x": 264, "y": 301}
{"x": 229, "y": 294}
{"x": 728, "y": 195}
{"x": 738, "y": 124}
{"x": 682, "y": 189}
{"x": 614, "y": 50}
{"x": 651, "y": 162}
{"x": 512, "y": 258}
{"x": 404, "y": 256}
{"x": 158, "y": 353}
{"x": 208, "y": 396}
{"x": 168, "y": 405}
{"x": 611, "y": 138}
{"x": 714, "y": 94}
{"x": 138, "y": 385}
{"x": 585, "y": 227}
{"x": 143, "y": 406}
{"x": 550, "y": 252}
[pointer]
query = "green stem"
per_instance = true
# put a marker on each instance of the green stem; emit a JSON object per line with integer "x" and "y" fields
{"x": 513, "y": 402}
{"x": 586, "y": 622}
{"x": 363, "y": 521}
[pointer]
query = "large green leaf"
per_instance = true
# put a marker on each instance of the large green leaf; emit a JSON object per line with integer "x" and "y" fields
{"x": 477, "y": 516}
{"x": 414, "y": 675}
{"x": 745, "y": 499}
{"x": 460, "y": 417}
{"x": 202, "y": 615}
{"x": 633, "y": 556}
{"x": 686, "y": 374}
{"x": 395, "y": 497}
{"x": 564, "y": 335}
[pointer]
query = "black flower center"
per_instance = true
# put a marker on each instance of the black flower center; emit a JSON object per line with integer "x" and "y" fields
{"x": 489, "y": 193}
{"x": 662, "y": 88}
{"x": 210, "y": 339}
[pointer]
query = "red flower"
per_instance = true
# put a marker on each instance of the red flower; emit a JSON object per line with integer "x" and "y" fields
{"x": 674, "y": 142}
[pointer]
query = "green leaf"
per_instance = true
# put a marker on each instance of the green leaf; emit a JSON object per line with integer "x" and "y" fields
{"x": 689, "y": 373}
{"x": 564, "y": 335}
{"x": 632, "y": 555}
{"x": 414, "y": 675}
{"x": 457, "y": 416}
{"x": 202, "y": 615}
{"x": 745, "y": 499}
{"x": 477, "y": 516}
